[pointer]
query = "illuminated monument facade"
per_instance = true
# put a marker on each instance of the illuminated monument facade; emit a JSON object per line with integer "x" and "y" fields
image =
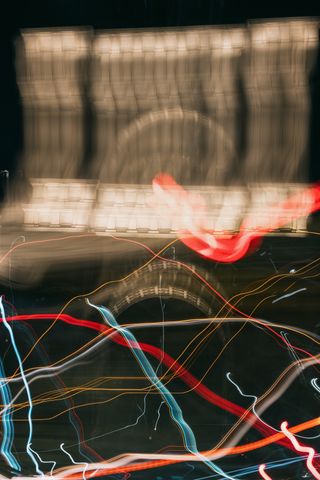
{"x": 213, "y": 107}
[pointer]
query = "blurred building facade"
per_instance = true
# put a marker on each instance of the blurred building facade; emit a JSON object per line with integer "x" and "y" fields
{"x": 225, "y": 111}
{"x": 208, "y": 105}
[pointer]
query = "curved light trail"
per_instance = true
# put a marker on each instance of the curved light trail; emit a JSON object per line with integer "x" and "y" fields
{"x": 227, "y": 248}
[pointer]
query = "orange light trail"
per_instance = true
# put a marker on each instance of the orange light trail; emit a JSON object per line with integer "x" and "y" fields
{"x": 248, "y": 447}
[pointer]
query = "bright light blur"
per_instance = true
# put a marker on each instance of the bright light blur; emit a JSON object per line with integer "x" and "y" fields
{"x": 225, "y": 111}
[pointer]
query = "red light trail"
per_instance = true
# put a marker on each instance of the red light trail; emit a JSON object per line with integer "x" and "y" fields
{"x": 228, "y": 248}
{"x": 189, "y": 379}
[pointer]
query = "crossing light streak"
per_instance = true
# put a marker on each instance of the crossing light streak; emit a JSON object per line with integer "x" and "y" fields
{"x": 25, "y": 382}
{"x": 174, "y": 408}
{"x": 301, "y": 449}
{"x": 262, "y": 471}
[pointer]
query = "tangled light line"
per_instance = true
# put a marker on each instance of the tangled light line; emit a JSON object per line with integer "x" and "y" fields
{"x": 175, "y": 410}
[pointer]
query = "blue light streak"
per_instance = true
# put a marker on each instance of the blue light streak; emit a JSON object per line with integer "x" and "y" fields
{"x": 16, "y": 351}
{"x": 8, "y": 427}
{"x": 174, "y": 408}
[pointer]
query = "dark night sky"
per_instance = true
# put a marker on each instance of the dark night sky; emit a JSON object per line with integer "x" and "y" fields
{"x": 150, "y": 13}
{"x": 125, "y": 14}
